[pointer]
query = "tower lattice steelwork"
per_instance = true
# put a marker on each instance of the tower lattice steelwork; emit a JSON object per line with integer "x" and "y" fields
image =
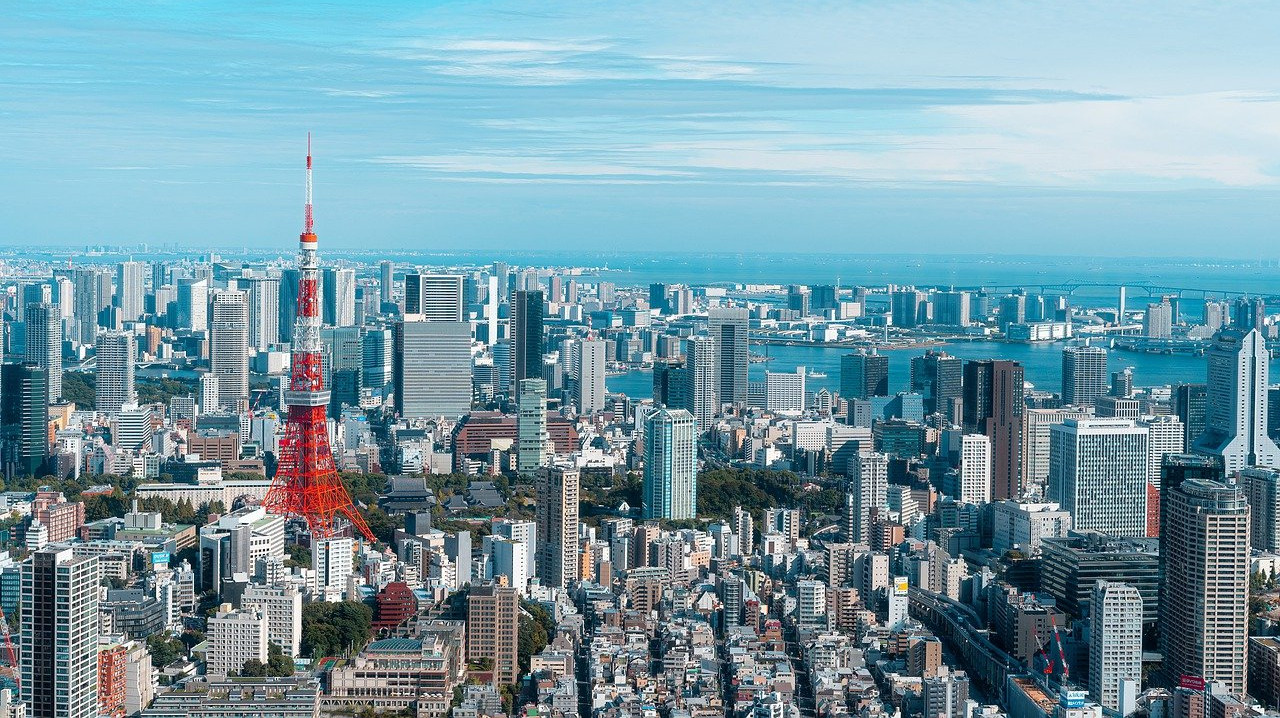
{"x": 306, "y": 484}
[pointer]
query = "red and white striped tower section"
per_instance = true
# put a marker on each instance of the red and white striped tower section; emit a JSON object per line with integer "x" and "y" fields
{"x": 307, "y": 485}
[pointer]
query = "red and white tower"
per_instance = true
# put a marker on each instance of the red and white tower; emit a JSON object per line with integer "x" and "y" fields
{"x": 306, "y": 484}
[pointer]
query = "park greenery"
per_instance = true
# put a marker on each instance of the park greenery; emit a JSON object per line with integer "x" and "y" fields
{"x": 333, "y": 629}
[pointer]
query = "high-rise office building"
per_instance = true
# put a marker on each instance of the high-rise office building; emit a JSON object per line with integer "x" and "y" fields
{"x": 905, "y": 305}
{"x": 432, "y": 368}
{"x": 1165, "y": 435}
{"x": 264, "y": 312}
{"x": 864, "y": 375}
{"x": 24, "y": 419}
{"x": 658, "y": 297}
{"x": 1236, "y": 402}
{"x": 434, "y": 297}
{"x": 131, "y": 289}
{"x": 1098, "y": 472}
{"x": 558, "y": 490}
{"x": 701, "y": 394}
{"x": 378, "y": 346}
{"x": 229, "y": 346}
{"x": 868, "y": 491}
{"x": 386, "y": 281}
{"x": 493, "y": 628}
{"x": 339, "y": 294}
{"x": 670, "y": 465}
{"x": 1122, "y": 383}
{"x": 975, "y": 469}
{"x": 589, "y": 375}
{"x": 59, "y": 628}
{"x": 1188, "y": 406}
{"x": 730, "y": 328}
{"x": 1115, "y": 643}
{"x": 994, "y": 405}
{"x": 936, "y": 376}
{"x": 527, "y": 345}
{"x": 115, "y": 354}
{"x": 193, "y": 304}
{"x": 1204, "y": 597}
{"x": 288, "y": 304}
{"x": 533, "y": 444}
{"x": 951, "y": 309}
{"x": 92, "y": 295}
{"x": 1084, "y": 375}
{"x": 44, "y": 344}
{"x": 1262, "y": 486}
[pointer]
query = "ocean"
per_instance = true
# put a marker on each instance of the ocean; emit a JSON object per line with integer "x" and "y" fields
{"x": 1042, "y": 365}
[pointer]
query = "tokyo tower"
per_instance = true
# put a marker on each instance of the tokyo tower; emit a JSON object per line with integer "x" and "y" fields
{"x": 306, "y": 485}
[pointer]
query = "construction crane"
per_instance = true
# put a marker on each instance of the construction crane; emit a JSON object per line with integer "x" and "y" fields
{"x": 8, "y": 649}
{"x": 1066, "y": 671}
{"x": 1048, "y": 662}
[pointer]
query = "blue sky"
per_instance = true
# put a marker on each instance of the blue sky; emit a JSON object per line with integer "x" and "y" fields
{"x": 1056, "y": 128}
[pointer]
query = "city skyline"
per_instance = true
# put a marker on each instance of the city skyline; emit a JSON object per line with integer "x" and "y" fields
{"x": 482, "y": 125}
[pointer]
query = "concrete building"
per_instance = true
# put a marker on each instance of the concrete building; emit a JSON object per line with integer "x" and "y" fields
{"x": 1084, "y": 375}
{"x": 533, "y": 443}
{"x": 1262, "y": 486}
{"x": 1115, "y": 645}
{"x": 864, "y": 375}
{"x": 975, "y": 469}
{"x": 283, "y": 608}
{"x": 24, "y": 419}
{"x": 433, "y": 297}
{"x": 1236, "y": 402}
{"x": 1204, "y": 552}
{"x": 115, "y": 371}
{"x": 229, "y": 346}
{"x": 432, "y": 369}
{"x": 994, "y": 405}
{"x": 339, "y": 295}
{"x": 235, "y": 638}
{"x": 1098, "y": 473}
{"x": 1024, "y": 526}
{"x": 44, "y": 344}
{"x": 701, "y": 381}
{"x": 59, "y": 605}
{"x": 670, "y": 465}
{"x": 1035, "y": 444}
{"x": 493, "y": 622}
{"x": 333, "y": 563}
{"x": 264, "y": 312}
{"x": 868, "y": 491}
{"x": 557, "y": 524}
{"x": 131, "y": 290}
{"x": 730, "y": 327}
{"x": 527, "y": 341}
{"x": 589, "y": 375}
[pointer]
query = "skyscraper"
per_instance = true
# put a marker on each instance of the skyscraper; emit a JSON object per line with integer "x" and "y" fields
{"x": 701, "y": 394}
{"x": 1204, "y": 596}
{"x": 434, "y": 297}
{"x": 670, "y": 465}
{"x": 975, "y": 469}
{"x": 527, "y": 345}
{"x": 994, "y": 405}
{"x": 131, "y": 290}
{"x": 60, "y": 617}
{"x": 386, "y": 281}
{"x": 115, "y": 353}
{"x": 44, "y": 344}
{"x": 868, "y": 491}
{"x": 730, "y": 328}
{"x": 229, "y": 346}
{"x": 378, "y": 346}
{"x": 1098, "y": 472}
{"x": 1188, "y": 406}
{"x": 1236, "y": 402}
{"x": 533, "y": 444}
{"x": 1158, "y": 321}
{"x": 432, "y": 370}
{"x": 557, "y": 521}
{"x": 1263, "y": 488}
{"x": 864, "y": 375}
{"x": 936, "y": 376}
{"x": 1084, "y": 375}
{"x": 1115, "y": 642}
{"x": 193, "y": 304}
{"x": 339, "y": 297}
{"x": 288, "y": 304}
{"x": 493, "y": 627}
{"x": 24, "y": 419}
{"x": 264, "y": 312}
{"x": 952, "y": 309}
{"x": 589, "y": 374}
{"x": 92, "y": 295}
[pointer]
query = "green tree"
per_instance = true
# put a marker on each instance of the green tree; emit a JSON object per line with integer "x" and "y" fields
{"x": 164, "y": 649}
{"x": 278, "y": 664}
{"x": 253, "y": 668}
{"x": 331, "y": 629}
{"x": 381, "y": 524}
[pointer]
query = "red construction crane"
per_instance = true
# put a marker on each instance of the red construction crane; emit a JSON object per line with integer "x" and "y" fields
{"x": 8, "y": 649}
{"x": 1066, "y": 670}
{"x": 306, "y": 485}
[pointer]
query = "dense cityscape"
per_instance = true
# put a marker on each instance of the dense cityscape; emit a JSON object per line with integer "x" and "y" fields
{"x": 289, "y": 487}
